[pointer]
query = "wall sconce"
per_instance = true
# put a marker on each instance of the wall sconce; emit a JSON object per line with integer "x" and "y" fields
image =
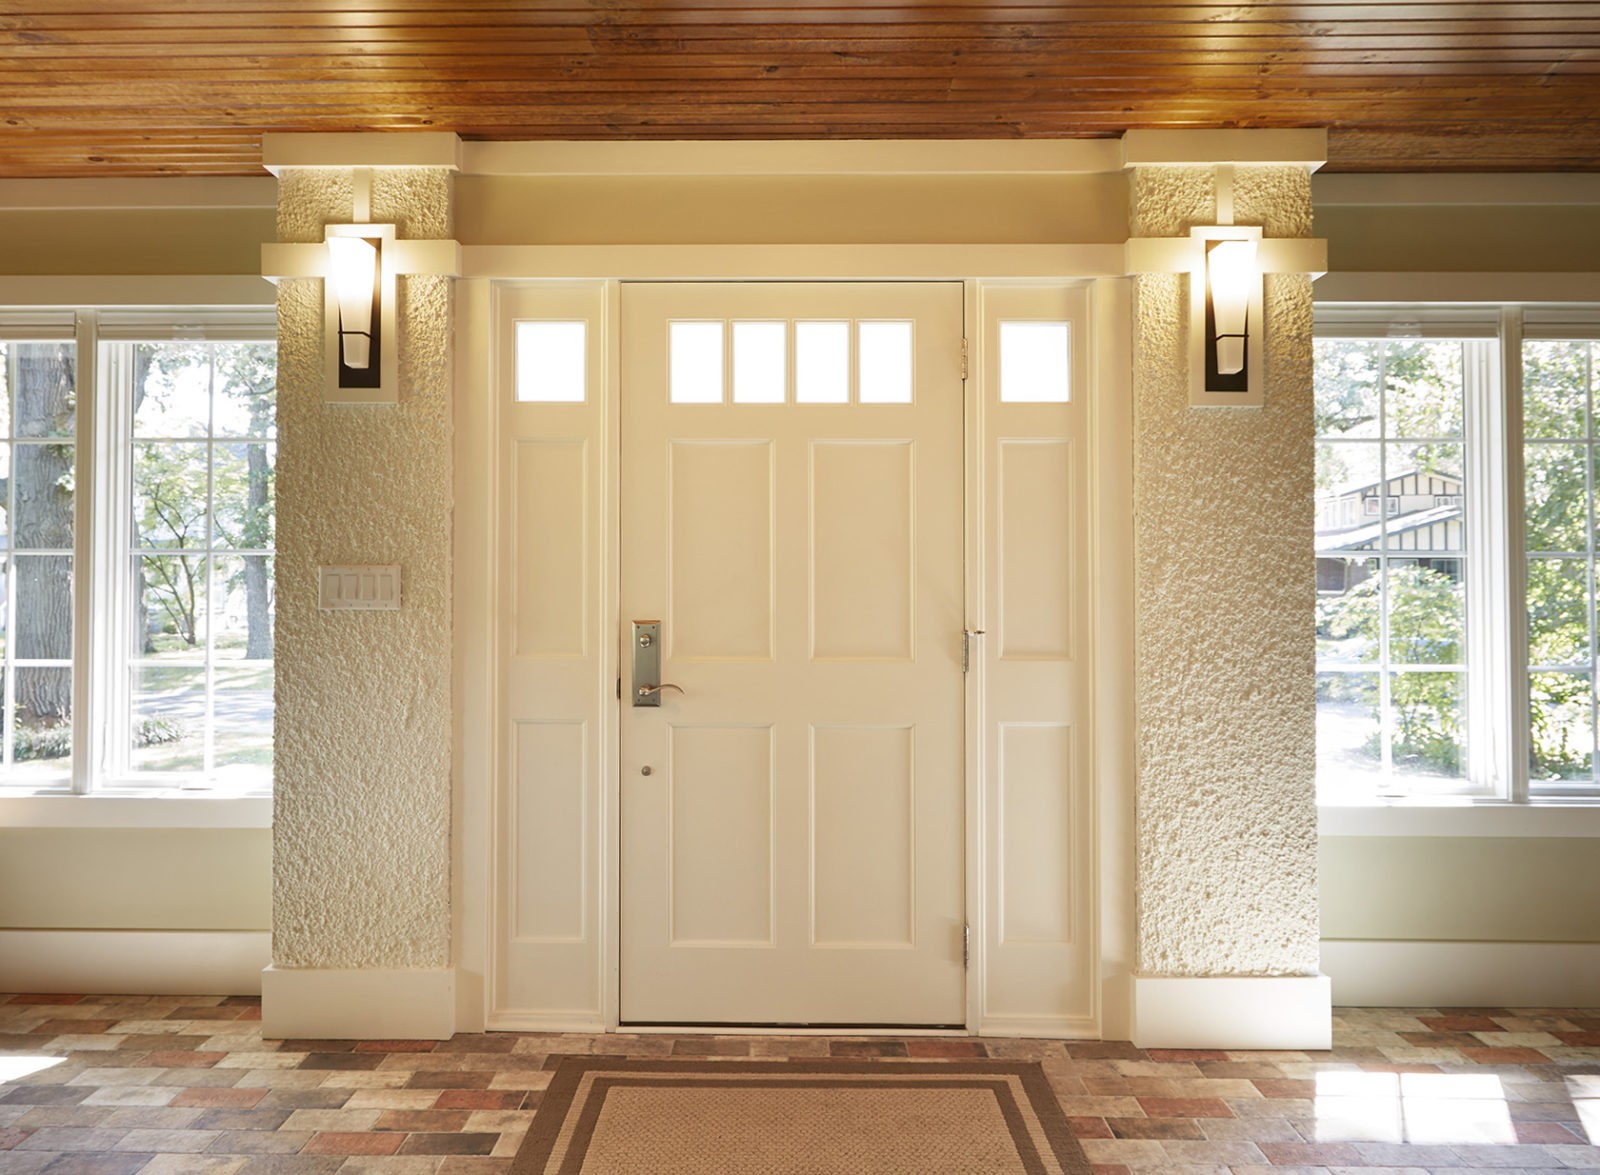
{"x": 1225, "y": 317}
{"x": 359, "y": 293}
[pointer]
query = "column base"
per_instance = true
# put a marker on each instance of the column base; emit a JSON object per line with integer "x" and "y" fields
{"x": 1247, "y": 1012}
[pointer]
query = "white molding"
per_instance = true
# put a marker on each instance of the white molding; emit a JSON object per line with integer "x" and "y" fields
{"x": 1457, "y": 288}
{"x": 777, "y": 262}
{"x": 1460, "y": 819}
{"x": 438, "y": 149}
{"x": 1244, "y": 1012}
{"x": 172, "y": 809}
{"x": 795, "y": 157}
{"x": 1041, "y": 1027}
{"x": 1371, "y": 973}
{"x": 1204, "y": 148}
{"x": 367, "y": 1004}
{"x": 1347, "y": 188}
{"x": 60, "y": 195}
{"x": 134, "y": 962}
{"x": 125, "y": 289}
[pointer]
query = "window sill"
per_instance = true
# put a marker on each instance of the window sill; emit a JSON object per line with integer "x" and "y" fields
{"x": 1462, "y": 818}
{"x": 151, "y": 810}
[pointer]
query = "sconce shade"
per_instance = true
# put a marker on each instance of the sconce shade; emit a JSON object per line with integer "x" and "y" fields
{"x": 354, "y": 274}
{"x": 1230, "y": 270}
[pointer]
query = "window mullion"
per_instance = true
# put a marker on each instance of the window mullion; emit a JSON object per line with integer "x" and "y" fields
{"x": 86, "y": 712}
{"x": 1514, "y": 548}
{"x": 106, "y": 664}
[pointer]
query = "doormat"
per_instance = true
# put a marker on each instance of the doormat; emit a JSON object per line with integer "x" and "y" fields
{"x": 612, "y": 1116}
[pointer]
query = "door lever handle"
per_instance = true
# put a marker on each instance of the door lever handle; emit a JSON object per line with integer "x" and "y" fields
{"x": 646, "y": 691}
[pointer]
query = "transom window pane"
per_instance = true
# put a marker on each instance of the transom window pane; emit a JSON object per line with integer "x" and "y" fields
{"x": 1035, "y": 362}
{"x": 551, "y": 362}
{"x": 38, "y": 459}
{"x": 1391, "y": 567}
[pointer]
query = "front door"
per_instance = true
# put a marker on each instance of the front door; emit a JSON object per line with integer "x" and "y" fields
{"x": 792, "y": 516}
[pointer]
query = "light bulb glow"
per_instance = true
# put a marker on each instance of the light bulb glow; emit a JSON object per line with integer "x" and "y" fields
{"x": 1230, "y": 272}
{"x": 354, "y": 273}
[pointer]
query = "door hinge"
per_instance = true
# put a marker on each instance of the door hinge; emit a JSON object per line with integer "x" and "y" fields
{"x": 966, "y": 946}
{"x": 966, "y": 646}
{"x": 963, "y": 359}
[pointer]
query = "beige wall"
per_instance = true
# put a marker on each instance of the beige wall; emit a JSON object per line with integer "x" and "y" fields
{"x": 142, "y": 240}
{"x": 135, "y": 879}
{"x": 1462, "y": 238}
{"x": 1460, "y": 889}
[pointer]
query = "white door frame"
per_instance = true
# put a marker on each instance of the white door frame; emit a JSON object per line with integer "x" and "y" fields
{"x": 478, "y": 754}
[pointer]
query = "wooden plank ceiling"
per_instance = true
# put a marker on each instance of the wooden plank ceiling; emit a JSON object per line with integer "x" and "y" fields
{"x": 163, "y": 87}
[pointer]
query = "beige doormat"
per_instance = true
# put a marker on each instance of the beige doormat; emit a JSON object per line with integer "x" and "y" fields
{"x": 611, "y": 1116}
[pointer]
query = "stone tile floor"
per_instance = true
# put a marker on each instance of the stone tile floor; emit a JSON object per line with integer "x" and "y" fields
{"x": 112, "y": 1085}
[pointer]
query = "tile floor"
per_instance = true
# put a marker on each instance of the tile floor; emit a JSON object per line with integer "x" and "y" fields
{"x": 112, "y": 1085}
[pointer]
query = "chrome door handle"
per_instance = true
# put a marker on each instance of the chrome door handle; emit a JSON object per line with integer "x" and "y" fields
{"x": 654, "y": 691}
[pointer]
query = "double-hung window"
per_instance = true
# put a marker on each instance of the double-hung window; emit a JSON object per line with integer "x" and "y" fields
{"x": 138, "y": 460}
{"x": 1456, "y": 570}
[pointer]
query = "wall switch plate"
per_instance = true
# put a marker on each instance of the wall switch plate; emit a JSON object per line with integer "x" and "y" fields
{"x": 364, "y": 589}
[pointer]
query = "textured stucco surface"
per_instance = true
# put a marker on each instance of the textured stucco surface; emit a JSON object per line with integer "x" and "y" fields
{"x": 1226, "y": 818}
{"x": 361, "y": 831}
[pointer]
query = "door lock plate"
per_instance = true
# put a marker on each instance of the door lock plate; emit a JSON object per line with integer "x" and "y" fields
{"x": 646, "y": 655}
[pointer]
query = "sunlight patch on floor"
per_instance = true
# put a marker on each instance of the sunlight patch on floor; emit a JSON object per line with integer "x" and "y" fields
{"x": 1412, "y": 1107}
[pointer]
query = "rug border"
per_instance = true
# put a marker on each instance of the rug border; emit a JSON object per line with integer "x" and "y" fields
{"x": 570, "y": 1070}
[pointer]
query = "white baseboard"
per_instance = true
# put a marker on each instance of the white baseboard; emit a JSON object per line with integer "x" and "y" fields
{"x": 1043, "y": 1027}
{"x": 134, "y": 962}
{"x": 547, "y": 1022}
{"x": 1409, "y": 974}
{"x": 409, "y": 1004}
{"x": 1246, "y": 1012}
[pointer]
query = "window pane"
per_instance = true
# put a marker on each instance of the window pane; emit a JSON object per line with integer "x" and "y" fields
{"x": 550, "y": 362}
{"x": 1349, "y": 605}
{"x": 1349, "y": 733}
{"x": 1429, "y": 724}
{"x": 42, "y": 716}
{"x": 241, "y": 489}
{"x": 1348, "y": 486}
{"x": 42, "y": 381}
{"x": 1555, "y": 389}
{"x": 1423, "y": 496}
{"x": 244, "y": 610}
{"x": 1557, "y": 497}
{"x": 885, "y": 362}
{"x": 1347, "y": 387}
{"x": 170, "y": 606}
{"x": 1558, "y": 612}
{"x": 246, "y": 400}
{"x": 169, "y": 494}
{"x": 1562, "y": 727}
{"x": 1427, "y": 611}
{"x": 1035, "y": 362}
{"x": 695, "y": 362}
{"x": 44, "y": 475}
{"x": 171, "y": 389}
{"x": 822, "y": 362}
{"x": 1423, "y": 388}
{"x": 169, "y": 718}
{"x": 760, "y": 362}
{"x": 43, "y": 628}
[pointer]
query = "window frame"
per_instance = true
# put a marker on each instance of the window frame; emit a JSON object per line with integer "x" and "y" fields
{"x": 1497, "y": 706}
{"x": 102, "y": 511}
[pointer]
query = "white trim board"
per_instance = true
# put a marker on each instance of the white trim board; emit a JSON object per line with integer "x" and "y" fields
{"x": 1411, "y": 974}
{"x": 1247, "y": 1012}
{"x": 134, "y": 962}
{"x": 399, "y": 1004}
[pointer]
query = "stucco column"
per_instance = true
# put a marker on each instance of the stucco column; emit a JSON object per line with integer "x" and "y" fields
{"x": 1226, "y": 825}
{"x": 361, "y": 828}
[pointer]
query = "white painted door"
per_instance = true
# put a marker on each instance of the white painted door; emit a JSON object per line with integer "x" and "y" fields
{"x": 792, "y": 513}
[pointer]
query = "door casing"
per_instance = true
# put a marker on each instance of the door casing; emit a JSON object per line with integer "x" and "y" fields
{"x": 482, "y": 378}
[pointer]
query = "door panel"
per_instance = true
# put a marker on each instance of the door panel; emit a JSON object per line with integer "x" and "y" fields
{"x": 792, "y": 511}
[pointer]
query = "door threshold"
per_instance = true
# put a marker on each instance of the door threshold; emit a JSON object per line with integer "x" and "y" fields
{"x": 656, "y": 1028}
